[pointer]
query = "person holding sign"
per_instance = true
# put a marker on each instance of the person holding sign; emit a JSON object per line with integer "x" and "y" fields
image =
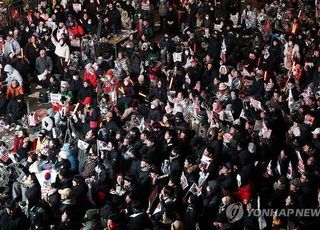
{"x": 43, "y": 66}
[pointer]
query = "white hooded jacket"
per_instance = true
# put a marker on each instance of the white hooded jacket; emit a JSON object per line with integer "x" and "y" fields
{"x": 12, "y": 74}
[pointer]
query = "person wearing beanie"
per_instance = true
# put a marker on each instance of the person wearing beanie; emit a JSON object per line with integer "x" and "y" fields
{"x": 91, "y": 219}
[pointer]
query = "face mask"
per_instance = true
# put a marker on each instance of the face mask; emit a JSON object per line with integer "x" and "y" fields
{"x": 186, "y": 52}
{"x": 61, "y": 43}
{"x": 89, "y": 22}
{"x": 75, "y": 78}
{"x": 153, "y": 106}
{"x": 27, "y": 30}
{"x": 126, "y": 83}
{"x": 290, "y": 43}
{"x": 207, "y": 18}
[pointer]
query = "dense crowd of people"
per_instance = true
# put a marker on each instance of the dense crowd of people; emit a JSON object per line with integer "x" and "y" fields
{"x": 206, "y": 104}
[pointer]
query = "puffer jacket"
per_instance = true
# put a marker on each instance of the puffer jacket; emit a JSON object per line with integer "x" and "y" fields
{"x": 12, "y": 74}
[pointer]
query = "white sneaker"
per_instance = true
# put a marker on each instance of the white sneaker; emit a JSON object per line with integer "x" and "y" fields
{"x": 38, "y": 87}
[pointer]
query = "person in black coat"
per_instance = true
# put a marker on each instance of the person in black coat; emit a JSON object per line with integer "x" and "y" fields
{"x": 114, "y": 19}
{"x": 68, "y": 221}
{"x": 53, "y": 199}
{"x": 142, "y": 87}
{"x": 159, "y": 91}
{"x": 236, "y": 103}
{"x": 275, "y": 56}
{"x": 47, "y": 44}
{"x": 192, "y": 214}
{"x": 191, "y": 19}
{"x": 154, "y": 112}
{"x": 175, "y": 159}
{"x": 139, "y": 219}
{"x": 135, "y": 61}
{"x": 112, "y": 159}
{"x": 134, "y": 167}
{"x": 63, "y": 179}
{"x": 54, "y": 85}
{"x": 257, "y": 87}
{"x": 144, "y": 180}
{"x": 101, "y": 180}
{"x": 85, "y": 91}
{"x": 33, "y": 193}
{"x": 16, "y": 109}
{"x": 214, "y": 48}
{"x": 171, "y": 21}
{"x": 80, "y": 190}
{"x": 31, "y": 50}
{"x": 148, "y": 31}
{"x": 12, "y": 218}
{"x": 208, "y": 75}
{"x": 75, "y": 84}
{"x": 3, "y": 102}
{"x": 191, "y": 170}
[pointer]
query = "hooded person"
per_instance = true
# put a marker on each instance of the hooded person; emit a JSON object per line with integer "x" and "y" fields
{"x": 66, "y": 148}
{"x": 90, "y": 75}
{"x": 12, "y": 74}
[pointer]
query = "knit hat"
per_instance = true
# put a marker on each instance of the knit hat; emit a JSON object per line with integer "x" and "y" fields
{"x": 91, "y": 214}
{"x": 155, "y": 103}
{"x": 110, "y": 72}
{"x": 67, "y": 192}
{"x": 109, "y": 114}
{"x": 316, "y": 131}
{"x": 87, "y": 101}
{"x": 222, "y": 86}
{"x": 63, "y": 155}
{"x": 66, "y": 147}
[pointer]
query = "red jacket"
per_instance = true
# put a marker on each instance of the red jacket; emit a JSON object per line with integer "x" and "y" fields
{"x": 92, "y": 78}
{"x": 245, "y": 192}
{"x": 76, "y": 31}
